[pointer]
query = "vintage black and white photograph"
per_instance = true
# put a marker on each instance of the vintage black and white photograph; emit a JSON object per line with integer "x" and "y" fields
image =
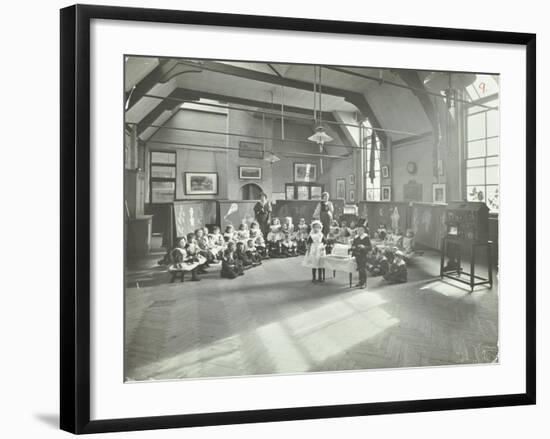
{"x": 261, "y": 238}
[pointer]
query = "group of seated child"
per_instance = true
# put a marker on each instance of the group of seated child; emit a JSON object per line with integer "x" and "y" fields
{"x": 388, "y": 261}
{"x": 244, "y": 248}
{"x": 236, "y": 250}
{"x": 286, "y": 240}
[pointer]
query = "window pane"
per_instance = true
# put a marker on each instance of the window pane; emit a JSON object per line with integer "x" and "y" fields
{"x": 316, "y": 192}
{"x": 492, "y": 146}
{"x": 303, "y": 193}
{"x": 476, "y": 193}
{"x": 370, "y": 195}
{"x": 492, "y": 161}
{"x": 476, "y": 126}
{"x": 492, "y": 123}
{"x": 162, "y": 191}
{"x": 475, "y": 176}
{"x": 376, "y": 194}
{"x": 163, "y": 157}
{"x": 163, "y": 172}
{"x": 493, "y": 198}
{"x": 476, "y": 149}
{"x": 475, "y": 163}
{"x": 290, "y": 192}
{"x": 492, "y": 174}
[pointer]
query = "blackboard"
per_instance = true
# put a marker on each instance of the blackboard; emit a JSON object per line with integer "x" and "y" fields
{"x": 188, "y": 216}
{"x": 234, "y": 212}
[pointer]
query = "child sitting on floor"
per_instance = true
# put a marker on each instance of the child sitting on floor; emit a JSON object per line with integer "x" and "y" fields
{"x": 178, "y": 261}
{"x": 194, "y": 253}
{"x": 274, "y": 238}
{"x": 395, "y": 239}
{"x": 382, "y": 233}
{"x": 397, "y": 270}
{"x": 378, "y": 262}
{"x": 231, "y": 265}
{"x": 214, "y": 247}
{"x": 218, "y": 237}
{"x": 288, "y": 225}
{"x": 288, "y": 245}
{"x": 229, "y": 234}
{"x": 240, "y": 254}
{"x": 254, "y": 229}
{"x": 202, "y": 242}
{"x": 252, "y": 253}
{"x": 408, "y": 243}
{"x": 242, "y": 233}
{"x": 259, "y": 244}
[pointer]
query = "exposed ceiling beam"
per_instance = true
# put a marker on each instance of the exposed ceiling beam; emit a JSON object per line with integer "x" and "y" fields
{"x": 354, "y": 98}
{"x": 412, "y": 139}
{"x": 274, "y": 70}
{"x": 410, "y": 77}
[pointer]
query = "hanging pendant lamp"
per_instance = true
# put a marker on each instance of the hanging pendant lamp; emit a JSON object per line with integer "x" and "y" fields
{"x": 320, "y": 135}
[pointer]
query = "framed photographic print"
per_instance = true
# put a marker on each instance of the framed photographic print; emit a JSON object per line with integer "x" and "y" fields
{"x": 201, "y": 183}
{"x": 250, "y": 173}
{"x": 439, "y": 194}
{"x": 385, "y": 171}
{"x": 145, "y": 345}
{"x": 351, "y": 179}
{"x": 341, "y": 189}
{"x": 305, "y": 172}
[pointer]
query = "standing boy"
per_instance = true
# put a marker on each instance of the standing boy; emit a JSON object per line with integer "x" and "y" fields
{"x": 360, "y": 248}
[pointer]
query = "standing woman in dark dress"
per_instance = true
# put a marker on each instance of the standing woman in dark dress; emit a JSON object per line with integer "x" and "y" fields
{"x": 262, "y": 213}
{"x": 324, "y": 212}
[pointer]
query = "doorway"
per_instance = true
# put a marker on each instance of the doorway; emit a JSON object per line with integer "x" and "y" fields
{"x": 251, "y": 191}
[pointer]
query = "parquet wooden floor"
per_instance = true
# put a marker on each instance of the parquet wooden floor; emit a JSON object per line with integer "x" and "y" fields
{"x": 274, "y": 320}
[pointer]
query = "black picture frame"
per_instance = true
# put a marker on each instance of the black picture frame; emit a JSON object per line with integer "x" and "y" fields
{"x": 75, "y": 218}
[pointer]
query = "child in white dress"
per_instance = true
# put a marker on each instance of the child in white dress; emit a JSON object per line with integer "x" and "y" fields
{"x": 315, "y": 252}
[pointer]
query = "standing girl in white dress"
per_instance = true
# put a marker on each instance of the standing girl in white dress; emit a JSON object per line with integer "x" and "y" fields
{"x": 315, "y": 252}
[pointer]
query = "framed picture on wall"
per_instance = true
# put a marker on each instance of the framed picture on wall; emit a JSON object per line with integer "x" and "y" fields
{"x": 201, "y": 183}
{"x": 352, "y": 196}
{"x": 341, "y": 189}
{"x": 250, "y": 173}
{"x": 385, "y": 171}
{"x": 113, "y": 59}
{"x": 439, "y": 193}
{"x": 351, "y": 179}
{"x": 386, "y": 193}
{"x": 305, "y": 172}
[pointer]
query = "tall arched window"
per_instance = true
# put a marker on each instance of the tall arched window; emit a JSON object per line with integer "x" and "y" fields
{"x": 372, "y": 187}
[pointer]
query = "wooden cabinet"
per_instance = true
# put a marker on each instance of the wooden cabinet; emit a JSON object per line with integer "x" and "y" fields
{"x": 139, "y": 236}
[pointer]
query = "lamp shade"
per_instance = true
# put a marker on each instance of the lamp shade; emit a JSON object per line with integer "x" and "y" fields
{"x": 320, "y": 136}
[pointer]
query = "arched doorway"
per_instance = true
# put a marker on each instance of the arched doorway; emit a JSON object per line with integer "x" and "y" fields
{"x": 251, "y": 191}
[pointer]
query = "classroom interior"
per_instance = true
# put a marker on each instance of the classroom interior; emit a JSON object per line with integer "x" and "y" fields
{"x": 410, "y": 153}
